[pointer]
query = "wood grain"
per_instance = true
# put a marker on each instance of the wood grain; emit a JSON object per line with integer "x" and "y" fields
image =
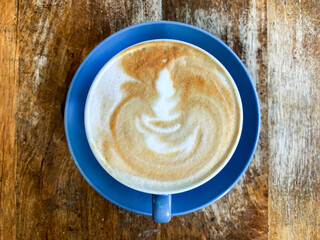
{"x": 8, "y": 89}
{"x": 294, "y": 119}
{"x": 43, "y": 195}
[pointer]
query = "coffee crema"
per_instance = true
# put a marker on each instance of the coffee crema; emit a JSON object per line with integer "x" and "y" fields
{"x": 162, "y": 116}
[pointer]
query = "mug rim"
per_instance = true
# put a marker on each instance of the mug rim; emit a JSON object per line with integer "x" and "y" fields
{"x": 189, "y": 187}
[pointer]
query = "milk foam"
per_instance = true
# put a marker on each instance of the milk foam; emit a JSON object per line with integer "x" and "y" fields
{"x": 162, "y": 116}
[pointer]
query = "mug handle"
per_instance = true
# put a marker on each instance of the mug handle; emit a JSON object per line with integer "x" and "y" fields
{"x": 161, "y": 208}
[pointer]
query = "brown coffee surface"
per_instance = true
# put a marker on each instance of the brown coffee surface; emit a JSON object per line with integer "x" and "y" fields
{"x": 174, "y": 120}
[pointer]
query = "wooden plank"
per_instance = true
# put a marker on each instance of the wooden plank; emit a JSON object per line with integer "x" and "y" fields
{"x": 53, "y": 199}
{"x": 50, "y": 191}
{"x": 8, "y": 83}
{"x": 242, "y": 25}
{"x": 294, "y": 119}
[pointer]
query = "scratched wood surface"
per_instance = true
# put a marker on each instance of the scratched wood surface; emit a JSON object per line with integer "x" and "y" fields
{"x": 43, "y": 195}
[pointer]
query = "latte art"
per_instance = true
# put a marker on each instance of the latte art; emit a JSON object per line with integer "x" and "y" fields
{"x": 163, "y": 116}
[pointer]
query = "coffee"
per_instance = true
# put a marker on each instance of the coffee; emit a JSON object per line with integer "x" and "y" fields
{"x": 162, "y": 116}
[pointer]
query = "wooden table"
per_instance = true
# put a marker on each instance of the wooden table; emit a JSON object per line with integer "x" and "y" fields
{"x": 44, "y": 196}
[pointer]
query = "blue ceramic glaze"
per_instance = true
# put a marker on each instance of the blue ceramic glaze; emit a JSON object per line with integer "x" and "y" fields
{"x": 111, "y": 189}
{"x": 161, "y": 208}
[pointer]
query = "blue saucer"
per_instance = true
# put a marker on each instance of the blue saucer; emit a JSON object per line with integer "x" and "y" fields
{"x": 89, "y": 167}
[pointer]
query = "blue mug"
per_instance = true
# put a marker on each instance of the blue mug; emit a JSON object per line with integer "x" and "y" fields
{"x": 161, "y": 200}
{"x": 161, "y": 206}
